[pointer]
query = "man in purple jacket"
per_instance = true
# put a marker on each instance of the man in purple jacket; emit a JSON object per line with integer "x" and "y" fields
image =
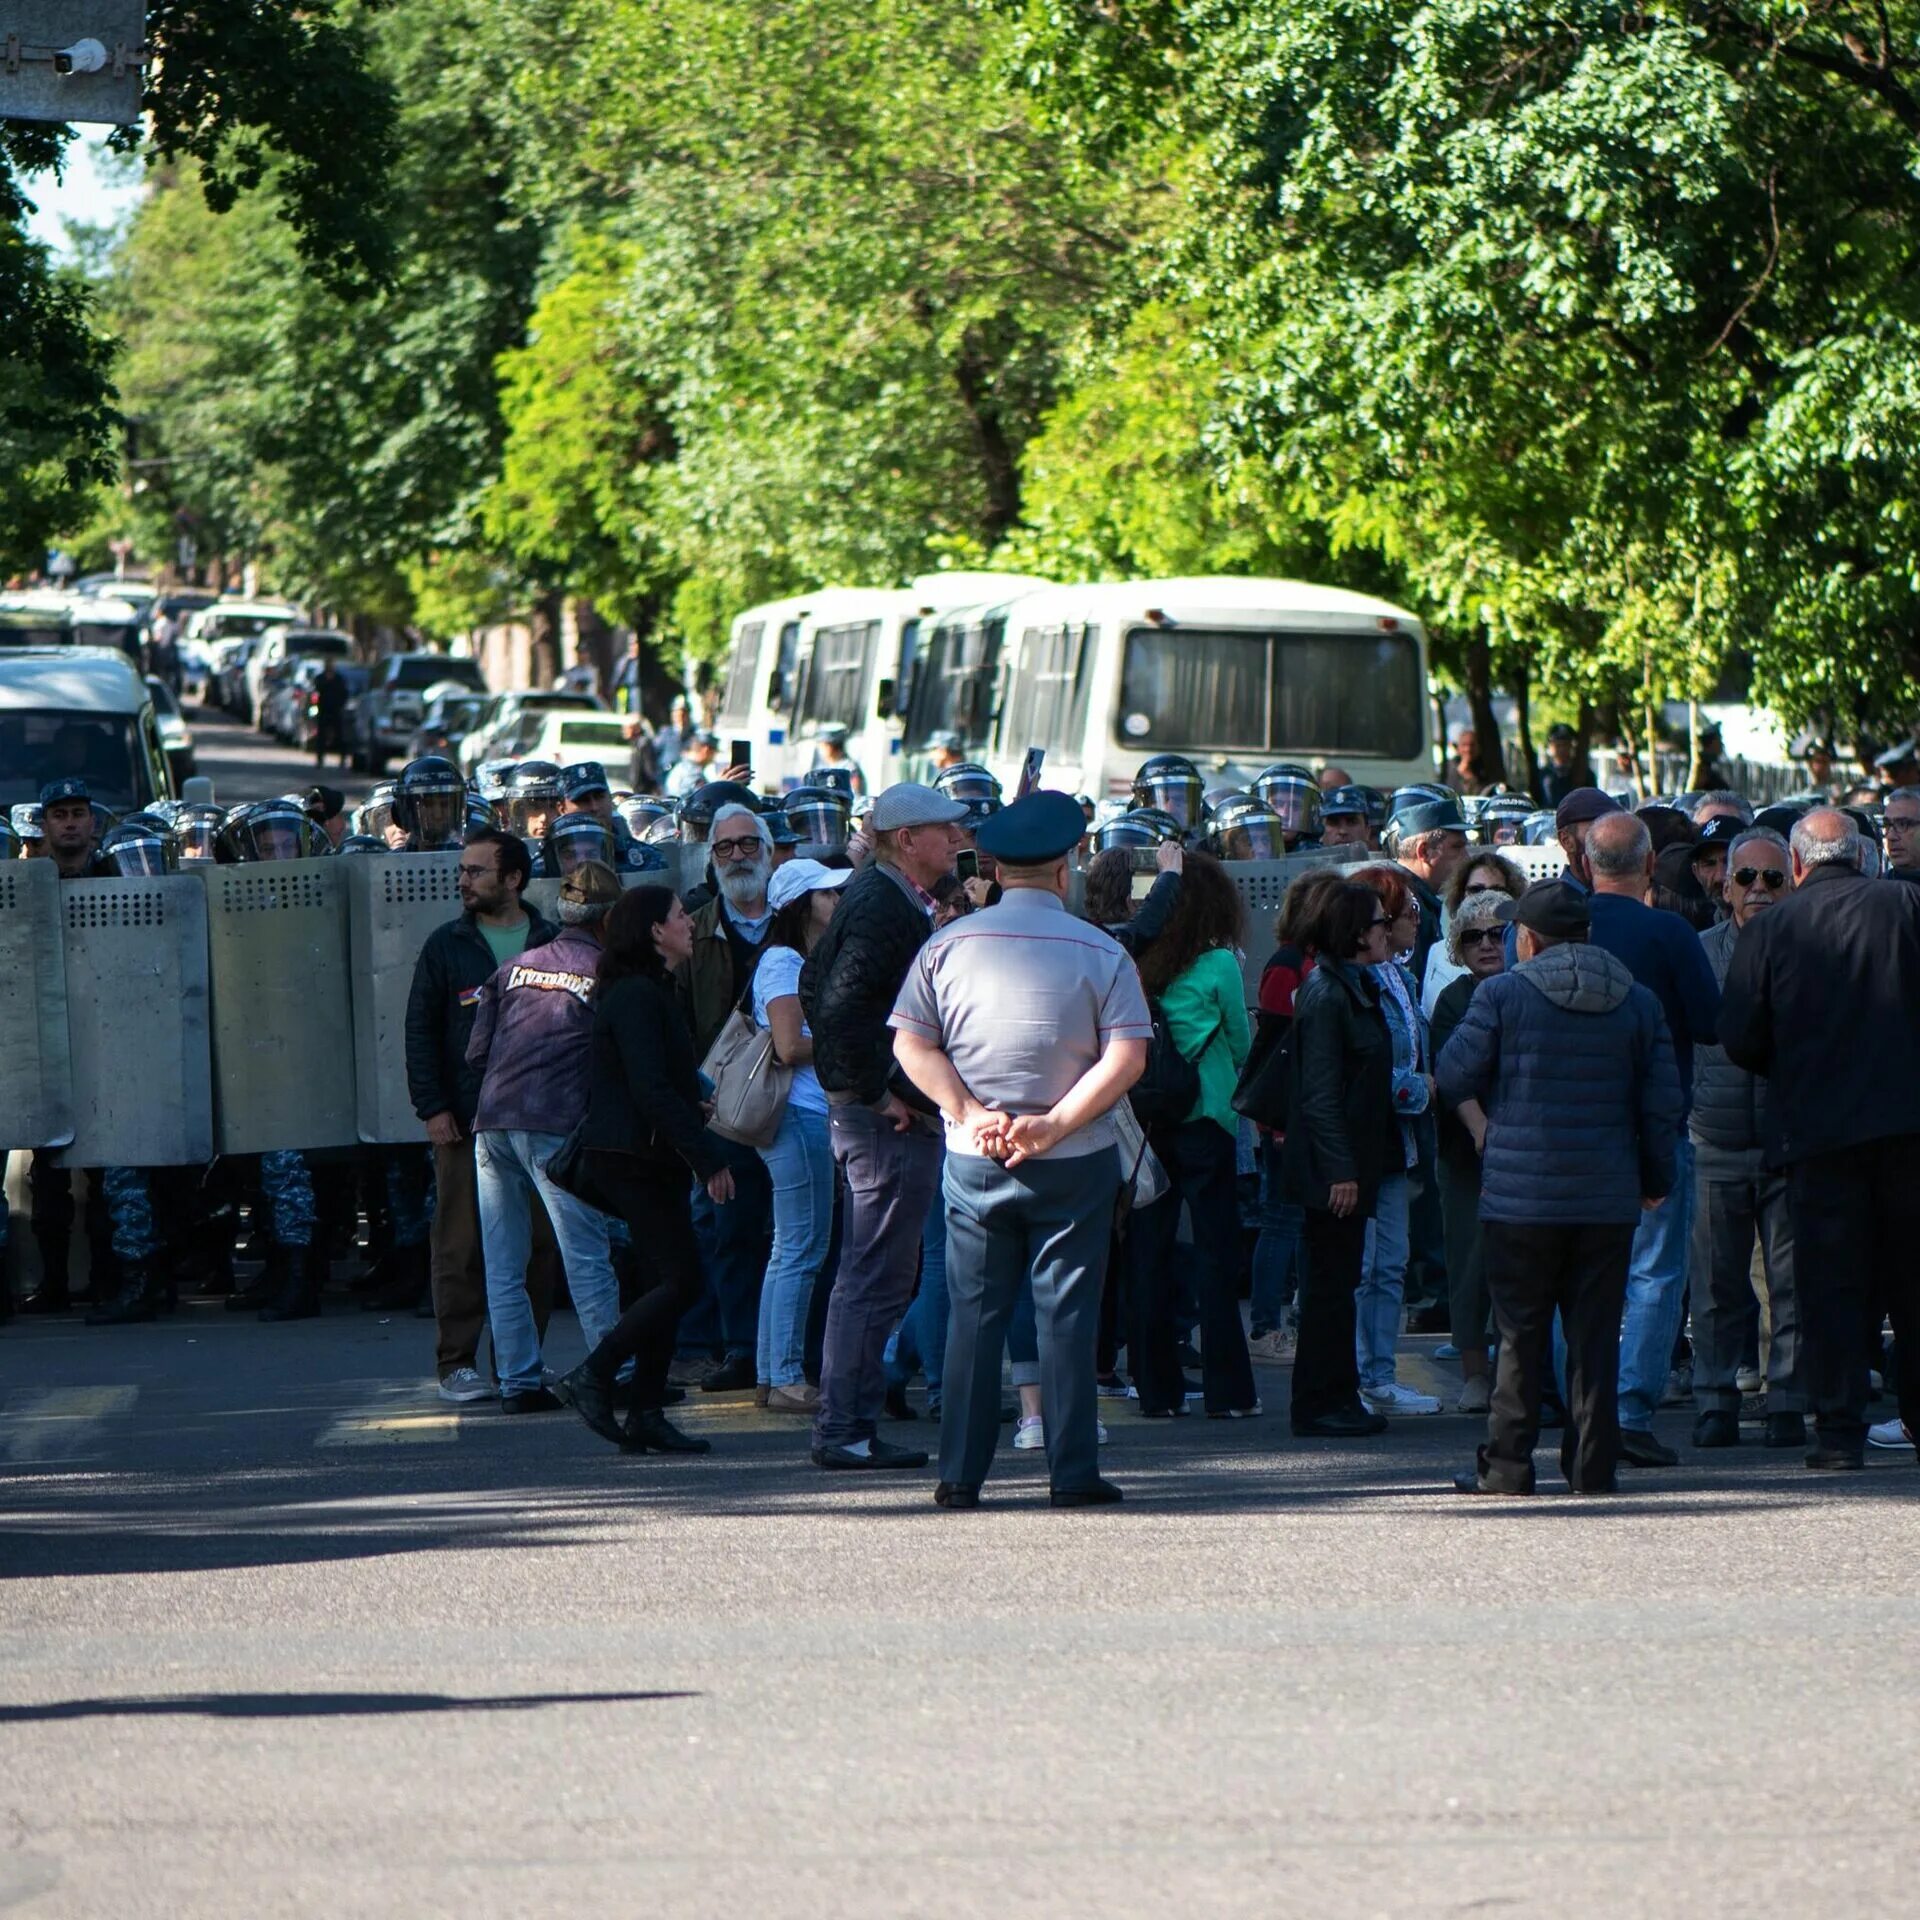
{"x": 532, "y": 1041}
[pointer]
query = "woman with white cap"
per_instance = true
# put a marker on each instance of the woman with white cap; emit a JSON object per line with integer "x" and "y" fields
{"x": 803, "y": 895}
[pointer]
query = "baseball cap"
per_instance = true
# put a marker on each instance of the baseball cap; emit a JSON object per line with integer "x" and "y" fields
{"x": 1582, "y": 805}
{"x": 326, "y": 803}
{"x": 908, "y": 804}
{"x": 803, "y": 876}
{"x": 1551, "y": 908}
{"x": 1721, "y": 831}
{"x": 590, "y": 884}
{"x": 70, "y": 788}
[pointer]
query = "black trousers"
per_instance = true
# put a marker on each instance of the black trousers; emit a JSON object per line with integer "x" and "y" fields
{"x": 1326, "y": 1372}
{"x": 1856, "y": 1221}
{"x": 1199, "y": 1159}
{"x": 657, "y": 1207}
{"x": 1531, "y": 1271}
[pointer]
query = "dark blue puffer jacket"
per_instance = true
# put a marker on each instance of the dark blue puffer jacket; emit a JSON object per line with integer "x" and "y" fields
{"x": 1572, "y": 1063}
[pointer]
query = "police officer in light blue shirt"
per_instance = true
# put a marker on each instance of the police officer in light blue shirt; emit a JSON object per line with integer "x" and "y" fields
{"x": 1026, "y": 1026}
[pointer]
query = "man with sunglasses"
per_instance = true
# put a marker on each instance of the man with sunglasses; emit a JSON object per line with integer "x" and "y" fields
{"x": 1738, "y": 1199}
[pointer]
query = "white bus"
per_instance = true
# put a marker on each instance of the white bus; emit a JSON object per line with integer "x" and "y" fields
{"x": 843, "y": 656}
{"x": 1235, "y": 674}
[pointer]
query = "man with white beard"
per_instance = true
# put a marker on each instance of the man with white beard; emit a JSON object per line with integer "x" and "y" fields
{"x": 736, "y": 1240}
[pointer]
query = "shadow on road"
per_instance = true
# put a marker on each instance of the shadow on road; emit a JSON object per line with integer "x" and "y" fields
{"x": 303, "y": 1706}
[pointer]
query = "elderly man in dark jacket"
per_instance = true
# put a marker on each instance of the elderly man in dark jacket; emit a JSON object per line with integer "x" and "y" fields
{"x": 494, "y": 926}
{"x": 886, "y": 1142}
{"x": 1571, "y": 1063}
{"x": 1739, "y": 1199}
{"x": 1820, "y": 999}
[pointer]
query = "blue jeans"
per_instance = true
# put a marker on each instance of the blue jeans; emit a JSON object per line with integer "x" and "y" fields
{"x": 735, "y": 1246}
{"x": 1274, "y": 1252}
{"x": 800, "y": 1166}
{"x": 1656, "y": 1296}
{"x": 510, "y": 1168}
{"x": 920, "y": 1340}
{"x": 1383, "y": 1285}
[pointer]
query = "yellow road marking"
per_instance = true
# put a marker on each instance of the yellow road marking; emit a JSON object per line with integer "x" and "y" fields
{"x": 373, "y": 1430}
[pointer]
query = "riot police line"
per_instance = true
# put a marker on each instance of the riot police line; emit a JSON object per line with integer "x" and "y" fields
{"x": 212, "y": 1001}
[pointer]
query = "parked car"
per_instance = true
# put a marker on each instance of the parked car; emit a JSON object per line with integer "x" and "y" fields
{"x": 269, "y": 662}
{"x": 498, "y": 730}
{"x": 78, "y": 710}
{"x": 451, "y": 711}
{"x": 303, "y": 727}
{"x": 229, "y": 625}
{"x": 566, "y": 738}
{"x": 383, "y": 719}
{"x": 101, "y": 620}
{"x": 176, "y": 742}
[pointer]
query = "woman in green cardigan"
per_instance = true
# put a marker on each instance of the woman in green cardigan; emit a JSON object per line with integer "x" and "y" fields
{"x": 1193, "y": 972}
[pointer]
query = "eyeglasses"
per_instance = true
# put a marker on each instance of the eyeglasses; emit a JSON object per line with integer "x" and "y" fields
{"x": 468, "y": 871}
{"x": 1901, "y": 826}
{"x": 1483, "y": 886}
{"x": 1772, "y": 878}
{"x": 1483, "y": 936}
{"x": 736, "y": 849}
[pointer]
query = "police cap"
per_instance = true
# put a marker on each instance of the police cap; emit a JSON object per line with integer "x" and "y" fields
{"x": 587, "y": 776}
{"x": 1343, "y": 801}
{"x": 68, "y": 787}
{"x": 1043, "y": 827}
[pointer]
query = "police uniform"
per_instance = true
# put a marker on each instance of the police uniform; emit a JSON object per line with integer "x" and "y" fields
{"x": 1023, "y": 999}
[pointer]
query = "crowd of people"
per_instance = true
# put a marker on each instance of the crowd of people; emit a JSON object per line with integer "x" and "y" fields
{"x": 926, "y": 1084}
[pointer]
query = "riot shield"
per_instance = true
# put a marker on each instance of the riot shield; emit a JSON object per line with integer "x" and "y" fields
{"x": 136, "y": 963}
{"x": 394, "y": 902}
{"x": 36, "y": 1080}
{"x": 282, "y": 1007}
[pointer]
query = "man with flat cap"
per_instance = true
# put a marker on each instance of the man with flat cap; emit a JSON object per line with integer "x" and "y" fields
{"x": 1569, "y": 1059}
{"x": 1573, "y": 820}
{"x": 1026, "y": 1027}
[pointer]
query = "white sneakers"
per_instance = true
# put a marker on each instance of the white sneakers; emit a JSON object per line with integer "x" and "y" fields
{"x": 463, "y": 1385}
{"x": 1394, "y": 1398}
{"x": 1749, "y": 1380}
{"x": 1030, "y": 1436}
{"x": 1889, "y": 1433}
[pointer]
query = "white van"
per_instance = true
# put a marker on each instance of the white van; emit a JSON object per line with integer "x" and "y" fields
{"x": 1234, "y": 674}
{"x": 844, "y": 656}
{"x": 78, "y": 710}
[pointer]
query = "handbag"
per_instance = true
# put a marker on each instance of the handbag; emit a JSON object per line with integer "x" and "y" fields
{"x": 567, "y": 1168}
{"x": 1143, "y": 1180}
{"x": 1169, "y": 1088}
{"x": 1265, "y": 1086}
{"x": 750, "y": 1085}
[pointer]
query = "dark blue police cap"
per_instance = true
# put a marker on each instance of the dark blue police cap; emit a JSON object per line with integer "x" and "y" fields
{"x": 71, "y": 788}
{"x": 1044, "y": 826}
{"x": 585, "y": 776}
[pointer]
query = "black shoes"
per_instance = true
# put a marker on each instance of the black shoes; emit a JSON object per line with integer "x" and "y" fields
{"x": 1717, "y": 1428}
{"x": 140, "y": 1298}
{"x": 733, "y": 1375}
{"x": 1785, "y": 1430}
{"x": 1103, "y": 1493}
{"x": 1638, "y": 1448}
{"x": 1471, "y": 1482}
{"x": 533, "y": 1400}
{"x": 650, "y": 1431}
{"x": 897, "y": 1407}
{"x": 591, "y": 1398}
{"x": 1352, "y": 1422}
{"x": 879, "y": 1454}
{"x": 299, "y": 1298}
{"x": 1835, "y": 1460}
{"x": 952, "y": 1497}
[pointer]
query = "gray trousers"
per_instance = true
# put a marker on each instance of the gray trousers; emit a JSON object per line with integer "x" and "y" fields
{"x": 1050, "y": 1221}
{"x": 1735, "y": 1201}
{"x": 888, "y": 1181}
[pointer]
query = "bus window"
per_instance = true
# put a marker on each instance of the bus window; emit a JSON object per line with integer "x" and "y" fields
{"x": 833, "y": 684}
{"x": 954, "y": 686}
{"x": 1046, "y": 703}
{"x": 780, "y": 692}
{"x": 1243, "y": 692}
{"x": 737, "y": 701}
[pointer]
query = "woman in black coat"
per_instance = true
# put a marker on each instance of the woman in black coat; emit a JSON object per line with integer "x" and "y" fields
{"x": 1341, "y": 1132}
{"x": 644, "y": 1128}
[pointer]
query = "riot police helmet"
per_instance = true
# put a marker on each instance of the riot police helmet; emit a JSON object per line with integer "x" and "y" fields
{"x": 699, "y": 807}
{"x": 28, "y": 826}
{"x": 271, "y": 830}
{"x": 821, "y": 816}
{"x": 361, "y": 843}
{"x": 12, "y": 847}
{"x": 1503, "y": 819}
{"x": 430, "y": 803}
{"x": 975, "y": 788}
{"x": 196, "y": 826}
{"x": 1142, "y": 829}
{"x": 641, "y": 811}
{"x": 780, "y": 827}
{"x": 480, "y": 816}
{"x": 1294, "y": 794}
{"x": 534, "y": 790}
{"x": 573, "y": 840}
{"x": 1217, "y": 797}
{"x": 140, "y": 844}
{"x": 662, "y": 832}
{"x": 1540, "y": 829}
{"x": 375, "y": 814}
{"x": 1247, "y": 830}
{"x": 1170, "y": 783}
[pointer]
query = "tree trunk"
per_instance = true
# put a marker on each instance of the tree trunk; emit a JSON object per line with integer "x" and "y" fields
{"x": 543, "y": 652}
{"x": 1523, "y": 726}
{"x": 1489, "y": 757}
{"x": 999, "y": 467}
{"x": 1584, "y": 726}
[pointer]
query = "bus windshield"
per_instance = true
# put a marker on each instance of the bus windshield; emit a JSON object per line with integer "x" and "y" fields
{"x": 1248, "y": 692}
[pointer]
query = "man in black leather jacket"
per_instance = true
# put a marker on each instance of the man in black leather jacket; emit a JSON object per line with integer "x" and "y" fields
{"x": 886, "y": 1139}
{"x": 457, "y": 961}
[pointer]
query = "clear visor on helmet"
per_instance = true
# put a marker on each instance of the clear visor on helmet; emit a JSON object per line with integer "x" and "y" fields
{"x": 146, "y": 853}
{"x": 374, "y": 818}
{"x": 1295, "y": 800}
{"x": 196, "y": 834}
{"x": 818, "y": 820}
{"x": 1248, "y": 834}
{"x": 434, "y": 817}
{"x": 1539, "y": 830}
{"x": 1125, "y": 833}
{"x": 969, "y": 785}
{"x": 575, "y": 841}
{"x": 531, "y": 815}
{"x": 661, "y": 832}
{"x": 1170, "y": 792}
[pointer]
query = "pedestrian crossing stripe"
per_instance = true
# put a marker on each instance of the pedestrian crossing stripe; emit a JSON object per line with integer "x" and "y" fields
{"x": 55, "y": 1423}
{"x": 387, "y": 1429}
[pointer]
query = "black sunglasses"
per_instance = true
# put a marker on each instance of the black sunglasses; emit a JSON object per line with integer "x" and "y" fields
{"x": 1481, "y": 936}
{"x": 1772, "y": 876}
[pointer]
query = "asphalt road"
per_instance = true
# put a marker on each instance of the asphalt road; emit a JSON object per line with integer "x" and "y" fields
{"x": 283, "y": 1634}
{"x": 245, "y": 765}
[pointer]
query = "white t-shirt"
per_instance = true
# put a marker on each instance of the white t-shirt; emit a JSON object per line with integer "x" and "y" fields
{"x": 778, "y": 975}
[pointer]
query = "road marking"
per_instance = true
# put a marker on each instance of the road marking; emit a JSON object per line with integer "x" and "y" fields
{"x": 54, "y": 1423}
{"x": 386, "y": 1429}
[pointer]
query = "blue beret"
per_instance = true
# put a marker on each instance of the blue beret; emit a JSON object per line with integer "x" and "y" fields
{"x": 1044, "y": 826}
{"x": 71, "y": 788}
